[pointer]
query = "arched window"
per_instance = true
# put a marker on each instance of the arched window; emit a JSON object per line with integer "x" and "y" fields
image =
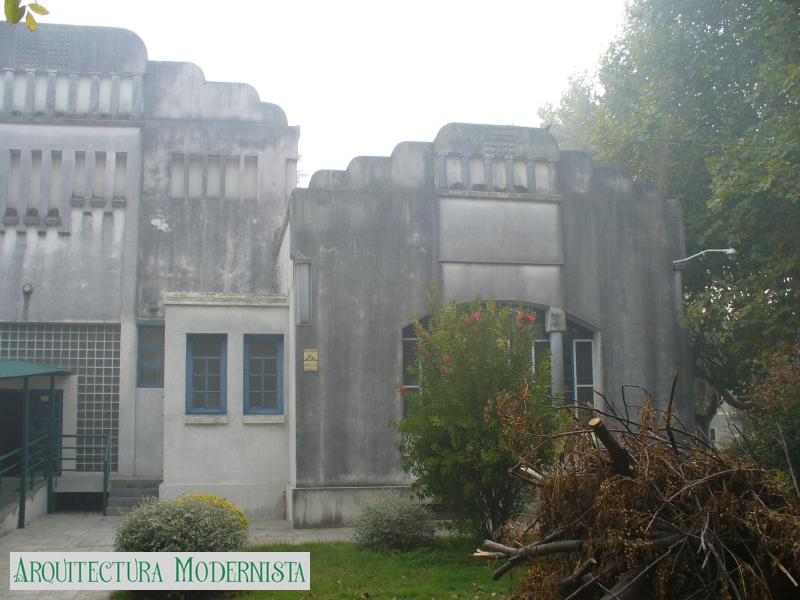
{"x": 578, "y": 344}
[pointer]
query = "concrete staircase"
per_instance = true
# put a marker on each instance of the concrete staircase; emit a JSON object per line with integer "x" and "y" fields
{"x": 126, "y": 493}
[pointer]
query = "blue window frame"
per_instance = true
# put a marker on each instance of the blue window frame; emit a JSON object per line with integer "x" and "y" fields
{"x": 151, "y": 356}
{"x": 206, "y": 366}
{"x": 263, "y": 374}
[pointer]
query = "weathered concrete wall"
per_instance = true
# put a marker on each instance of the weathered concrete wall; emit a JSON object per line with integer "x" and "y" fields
{"x": 218, "y": 163}
{"x": 370, "y": 241}
{"x": 581, "y": 241}
{"x": 194, "y": 240}
{"x": 242, "y": 457}
{"x": 620, "y": 239}
{"x": 179, "y": 91}
{"x": 64, "y": 71}
{"x": 81, "y": 262}
{"x": 149, "y": 433}
{"x": 89, "y": 126}
{"x": 332, "y": 506}
{"x": 73, "y": 48}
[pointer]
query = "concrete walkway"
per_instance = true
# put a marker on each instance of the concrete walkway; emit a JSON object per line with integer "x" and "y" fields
{"x": 92, "y": 532}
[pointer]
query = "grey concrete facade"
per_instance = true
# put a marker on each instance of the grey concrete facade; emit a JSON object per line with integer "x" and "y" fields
{"x": 166, "y": 217}
{"x": 583, "y": 244}
{"x": 115, "y": 172}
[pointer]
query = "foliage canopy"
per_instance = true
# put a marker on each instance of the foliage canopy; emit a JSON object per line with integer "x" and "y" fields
{"x": 774, "y": 416}
{"x": 702, "y": 98}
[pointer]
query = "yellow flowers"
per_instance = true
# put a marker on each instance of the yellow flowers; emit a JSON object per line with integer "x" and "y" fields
{"x": 221, "y": 502}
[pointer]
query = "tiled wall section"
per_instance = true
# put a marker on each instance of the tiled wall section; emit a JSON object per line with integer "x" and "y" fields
{"x": 91, "y": 351}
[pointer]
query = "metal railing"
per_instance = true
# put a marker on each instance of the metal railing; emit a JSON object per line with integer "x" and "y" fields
{"x": 44, "y": 457}
{"x": 86, "y": 457}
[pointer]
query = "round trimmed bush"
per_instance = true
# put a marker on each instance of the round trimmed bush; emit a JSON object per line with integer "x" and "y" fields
{"x": 190, "y": 523}
{"x": 221, "y": 502}
{"x": 394, "y": 522}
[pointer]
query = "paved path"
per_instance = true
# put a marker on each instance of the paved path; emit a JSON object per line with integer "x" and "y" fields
{"x": 92, "y": 532}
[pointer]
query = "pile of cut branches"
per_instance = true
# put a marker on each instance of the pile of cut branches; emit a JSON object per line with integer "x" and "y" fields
{"x": 638, "y": 508}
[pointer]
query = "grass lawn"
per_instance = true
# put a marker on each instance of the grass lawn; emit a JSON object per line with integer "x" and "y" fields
{"x": 341, "y": 570}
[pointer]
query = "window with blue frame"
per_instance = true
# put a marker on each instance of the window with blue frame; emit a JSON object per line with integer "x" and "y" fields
{"x": 206, "y": 366}
{"x": 263, "y": 374}
{"x": 151, "y": 356}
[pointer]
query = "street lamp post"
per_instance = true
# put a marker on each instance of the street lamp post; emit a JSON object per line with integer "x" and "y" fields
{"x": 680, "y": 264}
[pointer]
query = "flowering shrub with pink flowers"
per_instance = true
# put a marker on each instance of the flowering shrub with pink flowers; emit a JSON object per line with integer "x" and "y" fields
{"x": 466, "y": 356}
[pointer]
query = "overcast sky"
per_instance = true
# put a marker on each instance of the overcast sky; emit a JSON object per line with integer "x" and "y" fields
{"x": 360, "y": 77}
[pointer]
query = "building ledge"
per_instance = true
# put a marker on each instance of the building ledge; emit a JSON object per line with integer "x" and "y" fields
{"x": 205, "y": 419}
{"x": 519, "y": 196}
{"x": 212, "y": 299}
{"x": 263, "y": 419}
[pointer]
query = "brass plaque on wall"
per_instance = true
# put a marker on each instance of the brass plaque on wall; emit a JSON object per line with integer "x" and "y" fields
{"x": 310, "y": 359}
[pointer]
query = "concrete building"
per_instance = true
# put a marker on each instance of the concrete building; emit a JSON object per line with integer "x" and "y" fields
{"x": 238, "y": 336}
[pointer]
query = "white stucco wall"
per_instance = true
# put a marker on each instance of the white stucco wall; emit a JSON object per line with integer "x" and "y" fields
{"x": 239, "y": 457}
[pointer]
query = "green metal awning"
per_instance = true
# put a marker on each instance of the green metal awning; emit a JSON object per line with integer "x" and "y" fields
{"x": 10, "y": 369}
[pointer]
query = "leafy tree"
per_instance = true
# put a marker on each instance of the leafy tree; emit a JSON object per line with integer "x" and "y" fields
{"x": 569, "y": 121}
{"x": 16, "y": 12}
{"x": 467, "y": 357}
{"x": 701, "y": 97}
{"x": 774, "y": 416}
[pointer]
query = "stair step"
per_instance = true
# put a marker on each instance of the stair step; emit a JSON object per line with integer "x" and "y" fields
{"x": 116, "y": 492}
{"x": 134, "y": 482}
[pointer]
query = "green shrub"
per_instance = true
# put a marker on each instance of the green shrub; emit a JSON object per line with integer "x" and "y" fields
{"x": 394, "y": 522}
{"x": 186, "y": 524}
{"x": 468, "y": 358}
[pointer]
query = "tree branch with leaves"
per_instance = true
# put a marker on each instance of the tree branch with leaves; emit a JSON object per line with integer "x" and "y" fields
{"x": 17, "y": 12}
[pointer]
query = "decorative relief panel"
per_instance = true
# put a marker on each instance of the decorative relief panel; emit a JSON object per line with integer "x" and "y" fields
{"x": 195, "y": 177}
{"x": 41, "y": 184}
{"x": 39, "y": 92}
{"x": 48, "y": 49}
{"x": 511, "y": 160}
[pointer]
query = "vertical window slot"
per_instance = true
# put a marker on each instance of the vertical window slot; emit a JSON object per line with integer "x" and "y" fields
{"x": 79, "y": 179}
{"x": 303, "y": 290}
{"x": 213, "y": 183}
{"x": 99, "y": 175}
{"x": 35, "y": 181}
{"x": 84, "y": 93}
{"x": 176, "y": 177}
{"x": 232, "y": 178}
{"x": 55, "y": 178}
{"x": 13, "y": 178}
{"x": 120, "y": 175}
{"x": 195, "y": 177}
{"x": 250, "y": 183}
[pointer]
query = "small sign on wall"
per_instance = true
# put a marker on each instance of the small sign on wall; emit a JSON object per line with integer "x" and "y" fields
{"x": 310, "y": 361}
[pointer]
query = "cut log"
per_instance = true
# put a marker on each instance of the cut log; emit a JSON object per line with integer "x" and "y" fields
{"x": 620, "y": 457}
{"x": 518, "y": 555}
